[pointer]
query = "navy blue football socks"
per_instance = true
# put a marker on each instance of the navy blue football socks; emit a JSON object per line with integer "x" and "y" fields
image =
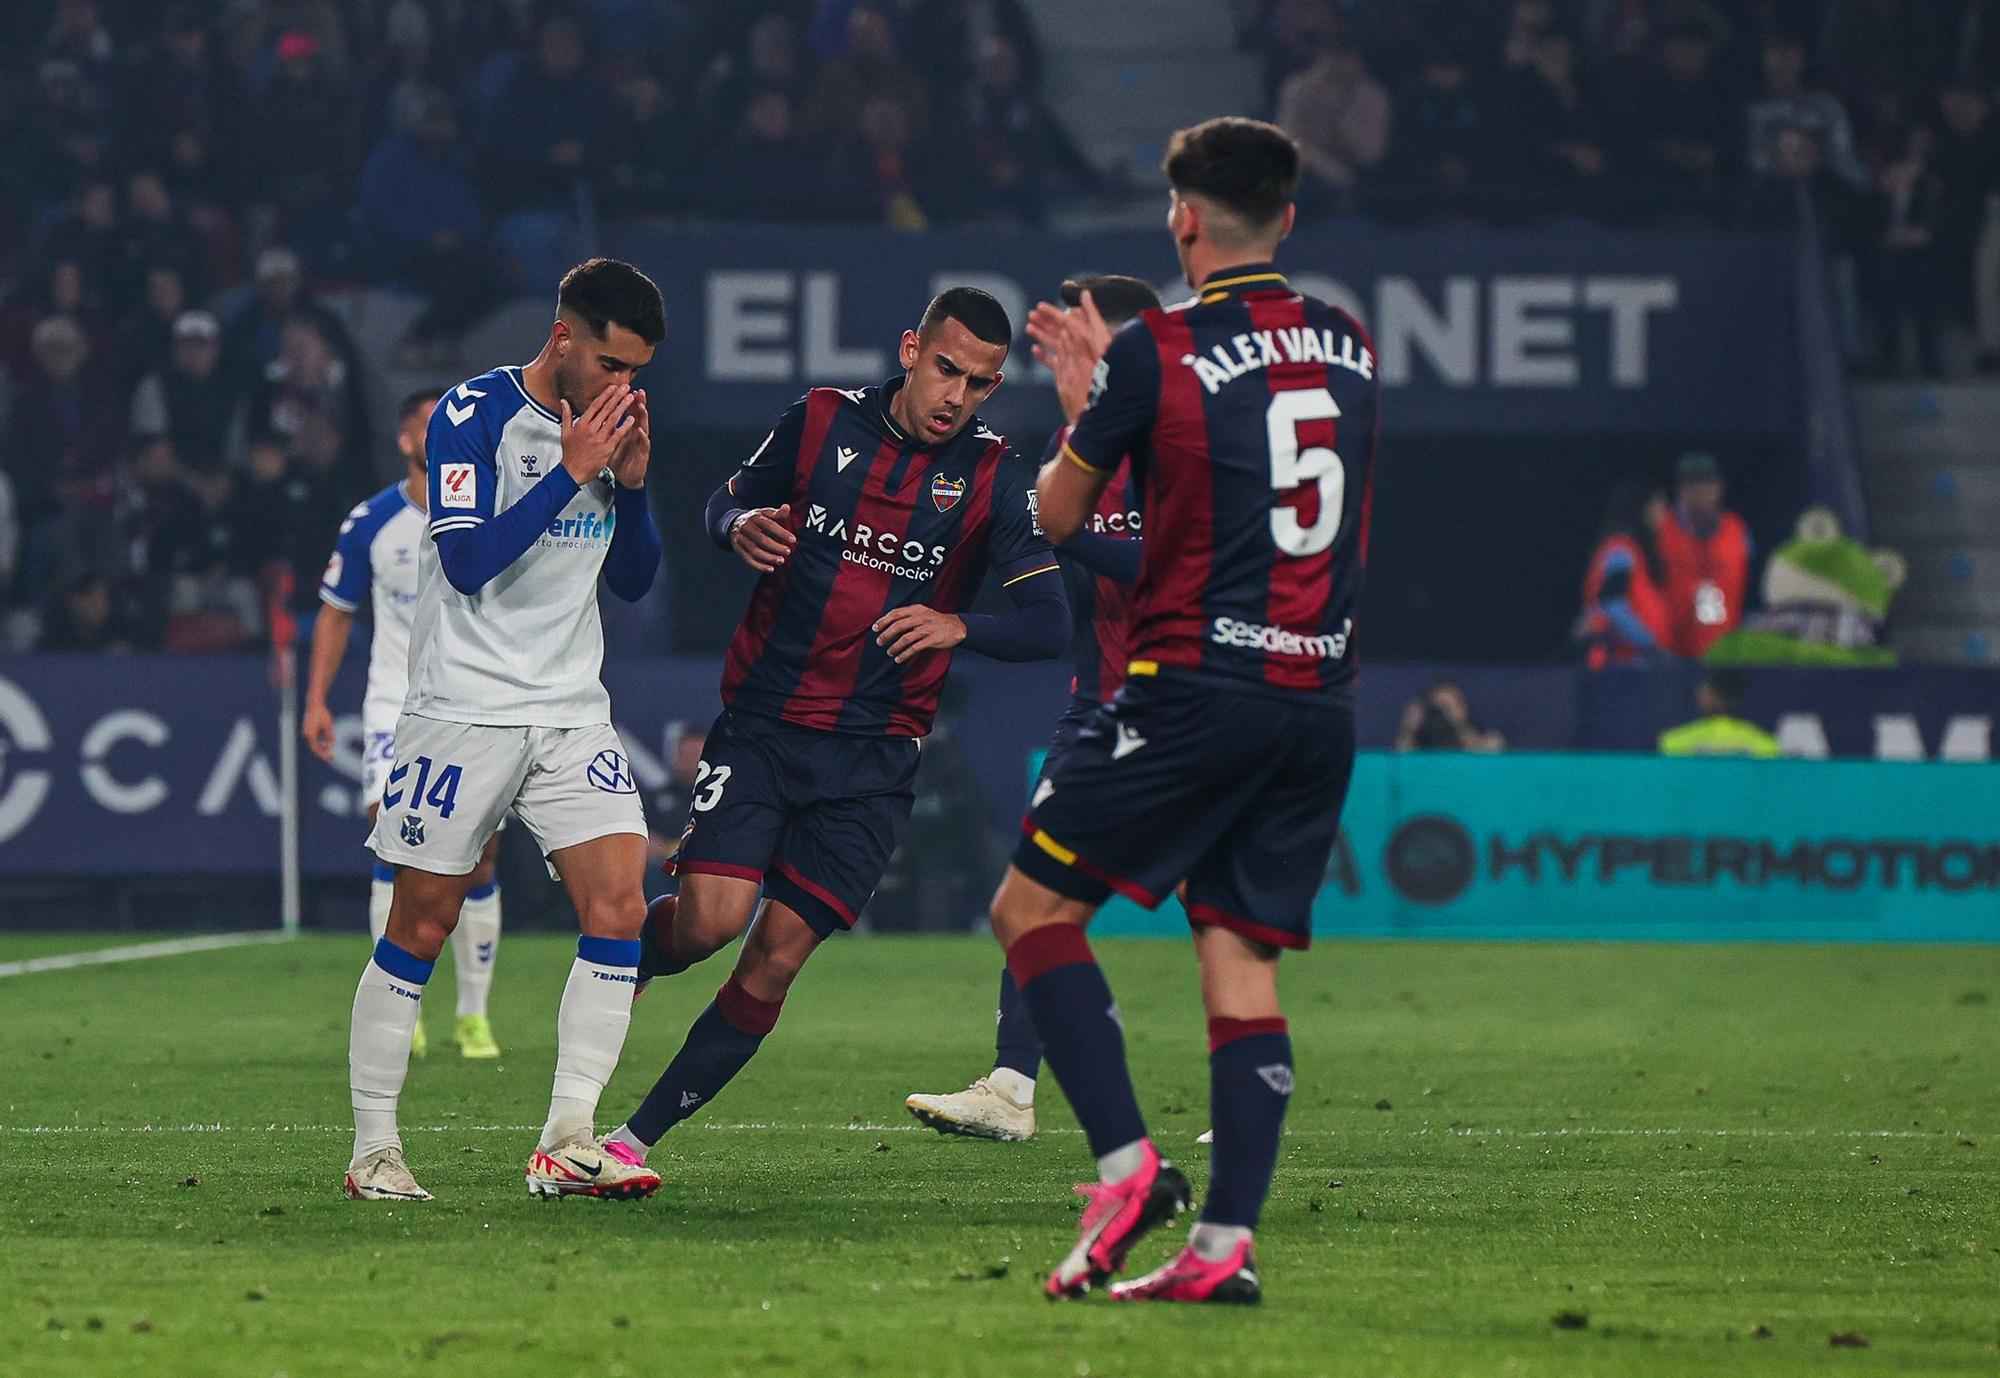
{"x": 1016, "y": 1047}
{"x": 1250, "y": 1084}
{"x": 1070, "y": 1003}
{"x": 719, "y": 1045}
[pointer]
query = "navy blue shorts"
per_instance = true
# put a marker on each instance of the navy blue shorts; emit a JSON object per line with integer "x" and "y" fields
{"x": 1235, "y": 792}
{"x": 812, "y": 816}
{"x": 1069, "y": 727}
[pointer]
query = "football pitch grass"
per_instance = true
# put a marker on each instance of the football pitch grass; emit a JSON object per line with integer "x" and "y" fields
{"x": 1500, "y": 1159}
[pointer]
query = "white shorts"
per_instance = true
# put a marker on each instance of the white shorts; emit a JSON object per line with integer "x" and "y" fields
{"x": 450, "y": 783}
{"x": 378, "y": 753}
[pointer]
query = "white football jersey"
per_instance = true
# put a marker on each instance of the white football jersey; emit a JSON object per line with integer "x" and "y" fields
{"x": 527, "y": 650}
{"x": 377, "y": 556}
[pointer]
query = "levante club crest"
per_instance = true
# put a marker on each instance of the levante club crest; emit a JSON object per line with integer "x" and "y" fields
{"x": 945, "y": 492}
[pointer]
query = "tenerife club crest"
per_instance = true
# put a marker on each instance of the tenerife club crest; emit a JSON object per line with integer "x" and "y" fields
{"x": 945, "y": 492}
{"x": 413, "y": 830}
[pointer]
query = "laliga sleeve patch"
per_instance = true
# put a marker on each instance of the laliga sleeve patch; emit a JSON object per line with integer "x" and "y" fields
{"x": 458, "y": 486}
{"x": 334, "y": 567}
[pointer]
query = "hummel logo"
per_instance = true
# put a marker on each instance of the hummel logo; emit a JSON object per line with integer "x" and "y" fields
{"x": 1129, "y": 741}
{"x": 689, "y": 1100}
{"x": 843, "y": 457}
{"x": 1278, "y": 1077}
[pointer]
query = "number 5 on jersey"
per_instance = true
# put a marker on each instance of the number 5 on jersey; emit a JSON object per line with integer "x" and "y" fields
{"x": 1292, "y": 467}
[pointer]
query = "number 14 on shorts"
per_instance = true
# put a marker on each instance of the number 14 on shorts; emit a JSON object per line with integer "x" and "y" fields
{"x": 440, "y": 794}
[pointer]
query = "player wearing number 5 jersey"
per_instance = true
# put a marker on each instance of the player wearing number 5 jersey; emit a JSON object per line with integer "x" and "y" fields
{"x": 537, "y": 487}
{"x": 1249, "y": 414}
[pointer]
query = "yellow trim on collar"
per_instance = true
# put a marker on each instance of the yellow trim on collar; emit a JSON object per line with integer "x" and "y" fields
{"x": 1207, "y": 287}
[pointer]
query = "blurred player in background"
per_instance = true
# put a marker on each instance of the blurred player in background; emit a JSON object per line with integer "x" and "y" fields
{"x": 375, "y": 558}
{"x": 1249, "y": 414}
{"x": 872, "y": 515}
{"x": 537, "y": 486}
{"x": 1099, "y": 564}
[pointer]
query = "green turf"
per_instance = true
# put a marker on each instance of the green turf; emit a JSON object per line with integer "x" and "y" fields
{"x": 1673, "y": 1146}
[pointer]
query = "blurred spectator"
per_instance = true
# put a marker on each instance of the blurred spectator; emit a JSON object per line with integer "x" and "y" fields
{"x": 946, "y": 41}
{"x": 1340, "y": 116}
{"x": 1904, "y": 284}
{"x": 1968, "y": 161}
{"x": 184, "y": 105}
{"x": 1871, "y": 46}
{"x": 288, "y": 506}
{"x": 1443, "y": 131}
{"x": 1787, "y": 103}
{"x": 254, "y": 333}
{"x": 165, "y": 527}
{"x": 191, "y": 402}
{"x": 877, "y": 177}
{"x": 1559, "y": 126}
{"x": 1017, "y": 141}
{"x": 1704, "y": 559}
{"x": 71, "y": 128}
{"x": 145, "y": 338}
{"x": 88, "y": 234}
{"x": 60, "y": 290}
{"x": 307, "y": 388}
{"x": 1686, "y": 123}
{"x": 87, "y": 611}
{"x": 646, "y": 169}
{"x": 544, "y": 127}
{"x": 871, "y": 69}
{"x": 64, "y": 443}
{"x": 671, "y": 803}
{"x": 399, "y": 85}
{"x": 1290, "y": 35}
{"x": 1625, "y": 620}
{"x": 302, "y": 133}
{"x": 155, "y": 230}
{"x": 1528, "y": 22}
{"x": 770, "y": 62}
{"x": 1440, "y": 719}
{"x": 1716, "y": 730}
{"x": 422, "y": 231}
{"x": 762, "y": 171}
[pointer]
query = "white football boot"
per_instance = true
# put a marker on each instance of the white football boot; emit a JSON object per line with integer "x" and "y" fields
{"x": 981, "y": 1111}
{"x": 581, "y": 1167}
{"x": 383, "y": 1176}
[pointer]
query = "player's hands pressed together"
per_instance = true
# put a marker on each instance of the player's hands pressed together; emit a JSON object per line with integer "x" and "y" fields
{"x": 590, "y": 440}
{"x": 763, "y": 537}
{"x": 910, "y": 631}
{"x": 1070, "y": 342}
{"x": 317, "y": 729}
{"x": 635, "y": 449}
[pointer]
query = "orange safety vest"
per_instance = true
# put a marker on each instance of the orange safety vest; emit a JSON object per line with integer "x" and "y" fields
{"x": 1705, "y": 581}
{"x": 1607, "y": 645}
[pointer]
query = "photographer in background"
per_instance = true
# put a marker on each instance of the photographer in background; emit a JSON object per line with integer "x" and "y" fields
{"x": 1440, "y": 719}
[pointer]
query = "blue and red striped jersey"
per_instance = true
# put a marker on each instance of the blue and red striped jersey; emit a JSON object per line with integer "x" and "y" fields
{"x": 883, "y": 521}
{"x": 1249, "y": 413}
{"x": 1100, "y": 606}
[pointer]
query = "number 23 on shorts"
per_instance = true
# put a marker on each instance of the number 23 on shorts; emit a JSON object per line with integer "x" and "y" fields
{"x": 440, "y": 794}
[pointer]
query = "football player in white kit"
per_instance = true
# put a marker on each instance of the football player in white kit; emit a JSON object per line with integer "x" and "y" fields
{"x": 375, "y": 558}
{"x": 537, "y": 485}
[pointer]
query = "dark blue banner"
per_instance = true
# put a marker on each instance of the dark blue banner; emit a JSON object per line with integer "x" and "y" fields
{"x": 159, "y": 765}
{"x": 1477, "y": 332}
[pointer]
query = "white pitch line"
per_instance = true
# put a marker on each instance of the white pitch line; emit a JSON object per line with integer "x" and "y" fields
{"x": 139, "y": 952}
{"x": 851, "y": 1127}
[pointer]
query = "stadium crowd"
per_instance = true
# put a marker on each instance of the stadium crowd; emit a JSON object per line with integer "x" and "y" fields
{"x": 1878, "y": 113}
{"x": 181, "y": 413}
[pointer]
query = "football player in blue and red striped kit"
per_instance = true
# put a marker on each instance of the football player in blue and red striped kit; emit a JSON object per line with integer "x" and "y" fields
{"x": 1099, "y": 564}
{"x": 1249, "y": 414}
{"x": 873, "y": 515}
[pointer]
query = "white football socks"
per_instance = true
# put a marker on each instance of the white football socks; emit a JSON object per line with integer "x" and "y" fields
{"x": 474, "y": 945}
{"x": 378, "y": 1044}
{"x": 1011, "y": 1084}
{"x": 1214, "y": 1243}
{"x": 380, "y": 893}
{"x": 1121, "y": 1163}
{"x": 590, "y": 1033}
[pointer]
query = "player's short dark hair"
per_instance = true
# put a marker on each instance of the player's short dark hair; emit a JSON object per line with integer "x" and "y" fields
{"x": 977, "y": 311}
{"x": 1245, "y": 166}
{"x": 1118, "y": 298}
{"x": 603, "y": 292}
{"x": 422, "y": 400}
